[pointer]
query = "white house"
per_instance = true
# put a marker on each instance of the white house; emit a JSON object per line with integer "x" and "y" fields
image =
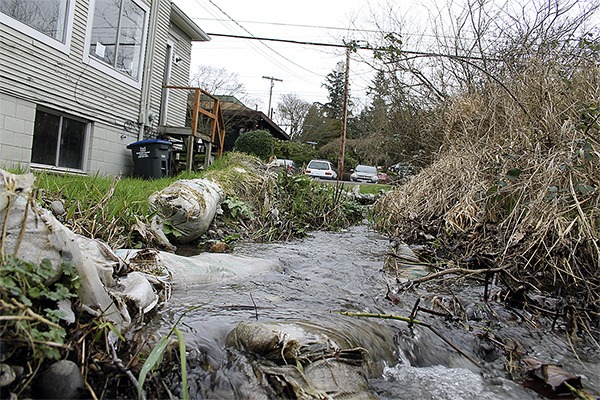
{"x": 82, "y": 79}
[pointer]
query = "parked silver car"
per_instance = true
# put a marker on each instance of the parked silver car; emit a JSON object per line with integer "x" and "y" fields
{"x": 288, "y": 165}
{"x": 320, "y": 169}
{"x": 364, "y": 173}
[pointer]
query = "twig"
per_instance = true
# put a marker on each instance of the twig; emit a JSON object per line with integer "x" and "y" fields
{"x": 409, "y": 261}
{"x": 413, "y": 313}
{"x": 439, "y": 314}
{"x": 117, "y": 361}
{"x": 579, "y": 393}
{"x": 3, "y": 234}
{"x": 417, "y": 322}
{"x": 52, "y": 344}
{"x": 23, "y": 225}
{"x": 457, "y": 270}
{"x": 255, "y": 308}
{"x": 32, "y": 315}
{"x": 89, "y": 388}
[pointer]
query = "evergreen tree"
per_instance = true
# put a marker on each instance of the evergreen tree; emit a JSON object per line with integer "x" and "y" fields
{"x": 334, "y": 83}
{"x": 313, "y": 124}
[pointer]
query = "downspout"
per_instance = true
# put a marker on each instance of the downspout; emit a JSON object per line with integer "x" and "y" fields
{"x": 147, "y": 77}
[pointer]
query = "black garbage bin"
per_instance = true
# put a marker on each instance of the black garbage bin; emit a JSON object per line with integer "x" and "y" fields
{"x": 151, "y": 158}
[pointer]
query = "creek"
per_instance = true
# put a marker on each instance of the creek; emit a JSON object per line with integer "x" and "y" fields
{"x": 321, "y": 275}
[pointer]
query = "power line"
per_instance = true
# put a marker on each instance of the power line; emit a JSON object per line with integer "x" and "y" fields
{"x": 256, "y": 48}
{"x": 296, "y": 25}
{"x": 355, "y": 46}
{"x": 264, "y": 44}
{"x": 363, "y": 30}
{"x": 277, "y": 40}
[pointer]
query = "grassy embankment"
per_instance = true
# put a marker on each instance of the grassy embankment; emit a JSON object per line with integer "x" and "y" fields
{"x": 107, "y": 208}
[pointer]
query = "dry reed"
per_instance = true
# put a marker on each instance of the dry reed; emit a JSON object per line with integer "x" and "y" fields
{"x": 524, "y": 178}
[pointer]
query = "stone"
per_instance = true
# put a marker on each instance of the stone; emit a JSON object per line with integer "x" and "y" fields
{"x": 61, "y": 380}
{"x": 219, "y": 247}
{"x": 57, "y": 207}
{"x": 7, "y": 375}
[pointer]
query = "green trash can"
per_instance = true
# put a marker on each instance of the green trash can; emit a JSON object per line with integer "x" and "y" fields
{"x": 152, "y": 158}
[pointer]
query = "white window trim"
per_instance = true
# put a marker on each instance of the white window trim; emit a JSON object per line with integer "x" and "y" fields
{"x": 86, "y": 144}
{"x": 168, "y": 76}
{"x": 107, "y": 69}
{"x": 39, "y": 36}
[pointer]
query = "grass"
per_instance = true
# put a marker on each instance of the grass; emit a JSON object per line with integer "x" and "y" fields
{"x": 100, "y": 206}
{"x": 374, "y": 188}
{"x": 269, "y": 206}
{"x": 370, "y": 188}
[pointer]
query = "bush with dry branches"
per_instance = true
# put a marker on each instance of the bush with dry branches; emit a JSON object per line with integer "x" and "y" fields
{"x": 518, "y": 177}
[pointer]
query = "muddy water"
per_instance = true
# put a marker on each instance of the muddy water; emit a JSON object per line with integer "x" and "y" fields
{"x": 323, "y": 274}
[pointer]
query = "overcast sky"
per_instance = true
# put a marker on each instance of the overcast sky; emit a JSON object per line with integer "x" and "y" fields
{"x": 302, "y": 68}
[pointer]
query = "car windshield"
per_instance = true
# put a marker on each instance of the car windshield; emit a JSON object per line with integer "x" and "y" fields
{"x": 366, "y": 168}
{"x": 318, "y": 165}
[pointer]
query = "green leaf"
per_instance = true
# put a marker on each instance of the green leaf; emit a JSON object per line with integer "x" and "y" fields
{"x": 154, "y": 359}
{"x": 552, "y": 193}
{"x": 60, "y": 292}
{"x": 34, "y": 292}
{"x": 183, "y": 358}
{"x": 492, "y": 190}
{"x": 69, "y": 269}
{"x": 513, "y": 173}
{"x": 25, "y": 300}
{"x": 585, "y": 189}
{"x": 115, "y": 330}
{"x": 7, "y": 282}
{"x": 54, "y": 315}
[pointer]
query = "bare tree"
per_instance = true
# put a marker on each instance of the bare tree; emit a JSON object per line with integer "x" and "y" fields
{"x": 291, "y": 112}
{"x": 218, "y": 81}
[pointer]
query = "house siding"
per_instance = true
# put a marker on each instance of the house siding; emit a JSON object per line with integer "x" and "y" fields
{"x": 160, "y": 55}
{"x": 179, "y": 77}
{"x": 34, "y": 74}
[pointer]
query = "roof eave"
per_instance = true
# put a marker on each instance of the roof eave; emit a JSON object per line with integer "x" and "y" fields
{"x": 179, "y": 18}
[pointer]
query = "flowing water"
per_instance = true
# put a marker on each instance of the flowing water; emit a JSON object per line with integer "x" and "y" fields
{"x": 320, "y": 276}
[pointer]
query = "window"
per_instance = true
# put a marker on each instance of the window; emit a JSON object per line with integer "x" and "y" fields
{"x": 117, "y": 35}
{"x": 58, "y": 140}
{"x": 46, "y": 20}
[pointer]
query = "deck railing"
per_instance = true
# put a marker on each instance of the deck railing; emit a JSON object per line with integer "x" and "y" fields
{"x": 191, "y": 134}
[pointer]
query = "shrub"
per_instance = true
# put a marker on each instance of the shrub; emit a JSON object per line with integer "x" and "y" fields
{"x": 300, "y": 153}
{"x": 259, "y": 143}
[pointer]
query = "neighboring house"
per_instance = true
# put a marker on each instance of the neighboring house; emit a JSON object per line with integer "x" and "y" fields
{"x": 240, "y": 119}
{"x": 82, "y": 79}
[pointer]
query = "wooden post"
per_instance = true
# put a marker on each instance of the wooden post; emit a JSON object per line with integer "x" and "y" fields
{"x": 340, "y": 176}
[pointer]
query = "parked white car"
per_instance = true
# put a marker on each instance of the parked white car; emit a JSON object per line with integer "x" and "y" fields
{"x": 320, "y": 169}
{"x": 364, "y": 173}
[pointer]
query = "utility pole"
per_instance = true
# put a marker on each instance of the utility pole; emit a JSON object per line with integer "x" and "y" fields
{"x": 344, "y": 115}
{"x": 269, "y": 113}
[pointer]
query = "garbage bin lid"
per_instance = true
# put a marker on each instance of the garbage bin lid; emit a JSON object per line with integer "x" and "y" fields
{"x": 147, "y": 142}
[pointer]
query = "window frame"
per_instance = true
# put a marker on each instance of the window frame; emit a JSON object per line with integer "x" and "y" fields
{"x": 41, "y": 37}
{"x": 86, "y": 141}
{"x": 106, "y": 68}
